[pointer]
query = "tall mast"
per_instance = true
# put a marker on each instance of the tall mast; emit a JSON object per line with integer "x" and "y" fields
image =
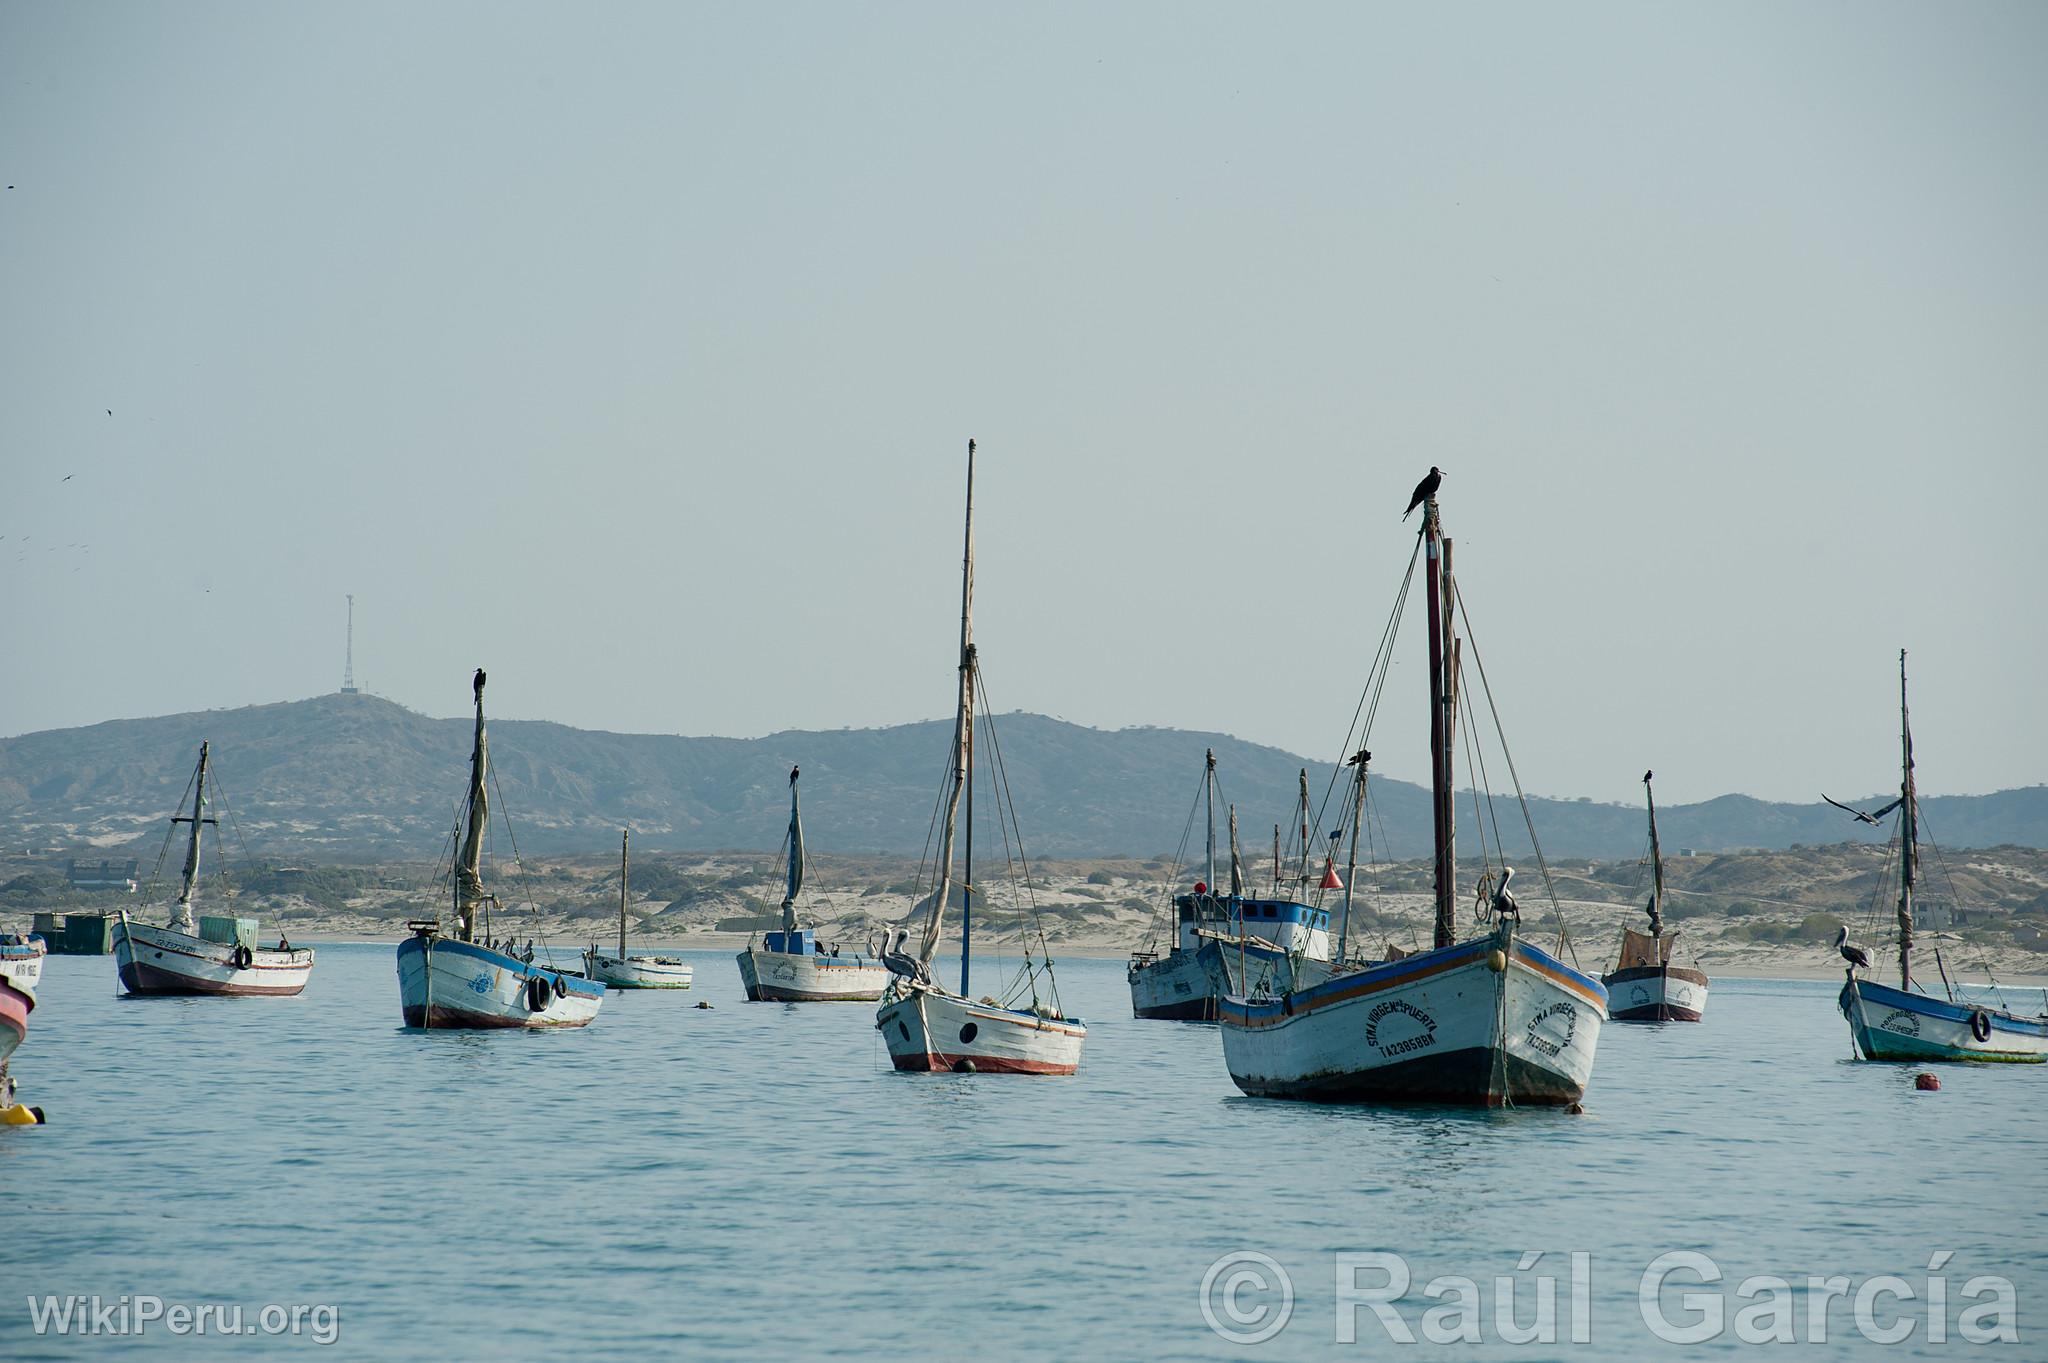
{"x": 1301, "y": 880}
{"x": 624, "y": 871}
{"x": 1656, "y": 870}
{"x": 1209, "y": 794}
{"x": 1351, "y": 862}
{"x": 963, "y": 743}
{"x": 1442, "y": 728}
{"x": 1276, "y": 859}
{"x": 1909, "y": 837}
{"x": 795, "y": 882}
{"x": 181, "y": 917}
{"x": 1236, "y": 861}
{"x": 348, "y": 666}
{"x": 469, "y": 879}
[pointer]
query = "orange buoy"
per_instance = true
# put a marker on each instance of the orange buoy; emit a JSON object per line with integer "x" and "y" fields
{"x": 1926, "y": 1082}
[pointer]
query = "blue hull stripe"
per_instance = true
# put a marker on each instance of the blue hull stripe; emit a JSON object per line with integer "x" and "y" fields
{"x": 443, "y": 946}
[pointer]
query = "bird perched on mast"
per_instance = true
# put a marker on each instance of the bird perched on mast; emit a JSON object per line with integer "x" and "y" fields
{"x": 1424, "y": 490}
{"x": 1856, "y": 956}
{"x": 478, "y": 684}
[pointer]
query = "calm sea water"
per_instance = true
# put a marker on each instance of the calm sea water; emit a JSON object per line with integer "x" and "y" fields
{"x": 753, "y": 1181}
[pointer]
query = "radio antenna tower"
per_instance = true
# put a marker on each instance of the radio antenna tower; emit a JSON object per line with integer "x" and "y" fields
{"x": 348, "y": 668}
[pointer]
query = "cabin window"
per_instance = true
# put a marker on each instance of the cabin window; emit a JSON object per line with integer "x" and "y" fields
{"x": 1187, "y": 914}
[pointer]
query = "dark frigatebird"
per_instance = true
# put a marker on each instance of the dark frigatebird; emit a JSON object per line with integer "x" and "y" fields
{"x": 477, "y": 684}
{"x": 792, "y": 774}
{"x": 1861, "y": 817}
{"x": 1856, "y": 956}
{"x": 1424, "y": 490}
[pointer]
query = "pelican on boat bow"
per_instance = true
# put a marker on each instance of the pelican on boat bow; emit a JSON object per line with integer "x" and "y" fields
{"x": 1906, "y": 1023}
{"x": 926, "y": 1026}
{"x": 460, "y": 982}
{"x": 1491, "y": 1021}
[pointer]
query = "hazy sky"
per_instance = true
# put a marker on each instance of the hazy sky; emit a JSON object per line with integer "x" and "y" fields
{"x": 631, "y": 351}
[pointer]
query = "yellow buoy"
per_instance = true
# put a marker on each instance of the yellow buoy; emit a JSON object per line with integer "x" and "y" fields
{"x": 19, "y": 1116}
{"x": 1497, "y": 961}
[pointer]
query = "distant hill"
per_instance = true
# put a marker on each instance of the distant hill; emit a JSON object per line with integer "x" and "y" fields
{"x": 357, "y": 777}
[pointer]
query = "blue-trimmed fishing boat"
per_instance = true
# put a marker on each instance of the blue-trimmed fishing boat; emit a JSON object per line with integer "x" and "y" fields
{"x": 1492, "y": 1021}
{"x": 793, "y": 966}
{"x": 1906, "y": 1023}
{"x": 458, "y": 981}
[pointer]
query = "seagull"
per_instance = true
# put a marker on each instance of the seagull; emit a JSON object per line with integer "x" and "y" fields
{"x": 1861, "y": 817}
{"x": 1424, "y": 490}
{"x": 1856, "y": 956}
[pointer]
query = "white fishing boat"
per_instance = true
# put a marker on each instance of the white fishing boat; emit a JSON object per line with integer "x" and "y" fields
{"x": 457, "y": 981}
{"x": 218, "y": 954}
{"x": 21, "y": 959}
{"x": 926, "y": 1026}
{"x": 621, "y": 971}
{"x": 792, "y": 966}
{"x": 1908, "y": 1023}
{"x": 1491, "y": 1021}
{"x": 1219, "y": 940}
{"x": 1644, "y": 985}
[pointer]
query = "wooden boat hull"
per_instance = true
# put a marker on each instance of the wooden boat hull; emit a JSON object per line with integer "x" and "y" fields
{"x": 1894, "y": 1024}
{"x": 810, "y": 977}
{"x": 1174, "y": 988}
{"x": 158, "y": 961}
{"x": 21, "y": 963}
{"x": 16, "y": 1003}
{"x": 1651, "y": 993}
{"x": 928, "y": 1030}
{"x": 451, "y": 984}
{"x": 1439, "y": 1026}
{"x": 639, "y": 972}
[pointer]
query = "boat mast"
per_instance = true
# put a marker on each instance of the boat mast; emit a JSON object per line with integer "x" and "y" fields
{"x": 624, "y": 871}
{"x": 1656, "y": 873}
{"x": 1442, "y": 725}
{"x": 1351, "y": 862}
{"x": 1209, "y": 795}
{"x": 1236, "y": 861}
{"x": 469, "y": 880}
{"x": 1301, "y": 880}
{"x": 963, "y": 744}
{"x": 181, "y": 917}
{"x": 796, "y": 859}
{"x": 1909, "y": 837}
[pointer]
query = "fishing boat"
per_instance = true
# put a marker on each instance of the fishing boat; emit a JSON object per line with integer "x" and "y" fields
{"x": 1644, "y": 985}
{"x": 621, "y": 971}
{"x": 925, "y": 1025}
{"x": 459, "y": 981}
{"x": 793, "y": 966}
{"x": 1908, "y": 1023}
{"x": 217, "y": 955}
{"x": 1219, "y": 939}
{"x": 16, "y": 1003}
{"x": 21, "y": 959}
{"x": 1492, "y": 1020}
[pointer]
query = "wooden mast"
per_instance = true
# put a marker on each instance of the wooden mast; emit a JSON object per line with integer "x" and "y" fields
{"x": 1909, "y": 836}
{"x": 1209, "y": 797}
{"x": 963, "y": 760}
{"x": 624, "y": 833}
{"x": 1236, "y": 861}
{"x": 1442, "y": 728}
{"x": 1359, "y": 760}
{"x": 1656, "y": 873}
{"x": 181, "y": 916}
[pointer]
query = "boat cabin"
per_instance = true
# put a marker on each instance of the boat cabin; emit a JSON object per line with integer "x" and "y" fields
{"x": 1295, "y": 928}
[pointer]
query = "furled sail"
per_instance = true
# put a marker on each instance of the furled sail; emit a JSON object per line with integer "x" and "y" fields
{"x": 469, "y": 880}
{"x": 1645, "y": 949}
{"x": 181, "y": 917}
{"x": 796, "y": 858}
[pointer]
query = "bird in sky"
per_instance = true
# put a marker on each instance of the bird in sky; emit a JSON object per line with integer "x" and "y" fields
{"x": 1424, "y": 490}
{"x": 1861, "y": 817}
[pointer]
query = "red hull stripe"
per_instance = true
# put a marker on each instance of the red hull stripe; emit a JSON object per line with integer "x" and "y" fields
{"x": 138, "y": 978}
{"x": 933, "y": 1062}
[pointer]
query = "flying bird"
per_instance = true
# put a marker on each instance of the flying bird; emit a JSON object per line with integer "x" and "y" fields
{"x": 1861, "y": 817}
{"x": 1424, "y": 490}
{"x": 1856, "y": 956}
{"x": 110, "y": 411}
{"x": 65, "y": 479}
